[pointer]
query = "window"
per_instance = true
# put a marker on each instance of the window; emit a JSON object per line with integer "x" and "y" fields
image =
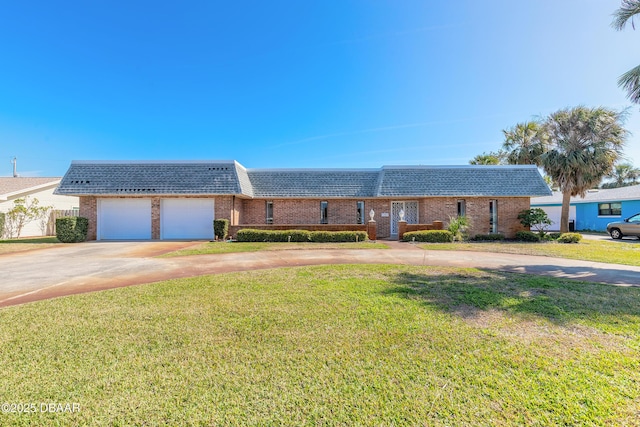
{"x": 360, "y": 212}
{"x": 462, "y": 208}
{"x": 493, "y": 216}
{"x": 324, "y": 217}
{"x": 269, "y": 211}
{"x": 609, "y": 209}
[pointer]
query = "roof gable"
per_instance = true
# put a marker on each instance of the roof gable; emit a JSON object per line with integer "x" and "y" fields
{"x": 16, "y": 186}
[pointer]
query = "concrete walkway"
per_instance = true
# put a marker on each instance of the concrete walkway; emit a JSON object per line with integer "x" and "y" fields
{"x": 69, "y": 269}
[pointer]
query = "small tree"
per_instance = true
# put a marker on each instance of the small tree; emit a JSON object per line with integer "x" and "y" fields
{"x": 458, "y": 226}
{"x": 23, "y": 212}
{"x": 535, "y": 218}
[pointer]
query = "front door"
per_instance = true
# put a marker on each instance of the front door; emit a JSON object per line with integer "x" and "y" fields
{"x": 410, "y": 214}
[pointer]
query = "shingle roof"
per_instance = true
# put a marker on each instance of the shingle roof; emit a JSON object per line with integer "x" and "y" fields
{"x": 12, "y": 186}
{"x": 130, "y": 178}
{"x": 631, "y": 192}
{"x": 496, "y": 181}
{"x": 313, "y": 183}
{"x": 229, "y": 177}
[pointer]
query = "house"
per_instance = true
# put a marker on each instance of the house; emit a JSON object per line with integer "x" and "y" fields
{"x": 180, "y": 199}
{"x": 12, "y": 188}
{"x": 595, "y": 209}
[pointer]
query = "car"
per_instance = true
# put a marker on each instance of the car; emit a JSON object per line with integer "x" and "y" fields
{"x": 628, "y": 227}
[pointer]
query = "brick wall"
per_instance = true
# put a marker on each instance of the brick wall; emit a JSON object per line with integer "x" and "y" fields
{"x": 89, "y": 210}
{"x": 289, "y": 212}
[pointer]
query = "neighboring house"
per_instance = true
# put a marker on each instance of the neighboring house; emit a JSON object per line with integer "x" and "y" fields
{"x": 180, "y": 199}
{"x": 12, "y": 188}
{"x": 595, "y": 209}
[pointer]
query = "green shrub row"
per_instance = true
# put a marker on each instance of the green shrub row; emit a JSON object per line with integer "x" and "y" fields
{"x": 71, "y": 229}
{"x": 527, "y": 236}
{"x": 570, "y": 238}
{"x": 251, "y": 235}
{"x": 338, "y": 236}
{"x": 491, "y": 237}
{"x": 221, "y": 228}
{"x": 430, "y": 236}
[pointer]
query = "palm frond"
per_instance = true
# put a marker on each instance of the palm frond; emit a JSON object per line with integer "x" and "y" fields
{"x": 627, "y": 11}
{"x": 630, "y": 81}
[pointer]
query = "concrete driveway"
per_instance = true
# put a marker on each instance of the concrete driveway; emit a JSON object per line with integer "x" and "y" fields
{"x": 69, "y": 269}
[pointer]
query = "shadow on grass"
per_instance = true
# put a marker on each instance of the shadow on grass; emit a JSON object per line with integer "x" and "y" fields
{"x": 557, "y": 300}
{"x": 32, "y": 240}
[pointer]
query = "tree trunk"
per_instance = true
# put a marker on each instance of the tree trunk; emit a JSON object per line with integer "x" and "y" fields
{"x": 564, "y": 215}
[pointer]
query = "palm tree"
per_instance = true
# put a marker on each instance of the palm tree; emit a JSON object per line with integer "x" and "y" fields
{"x": 623, "y": 174}
{"x": 524, "y": 143}
{"x": 629, "y": 81}
{"x": 584, "y": 145}
{"x": 490, "y": 158}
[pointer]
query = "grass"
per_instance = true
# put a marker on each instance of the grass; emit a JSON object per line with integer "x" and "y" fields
{"x": 339, "y": 345}
{"x": 229, "y": 247}
{"x": 25, "y": 244}
{"x": 627, "y": 253}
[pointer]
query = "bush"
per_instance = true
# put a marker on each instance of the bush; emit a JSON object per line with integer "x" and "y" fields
{"x": 491, "y": 237}
{"x": 430, "y": 236}
{"x": 570, "y": 238}
{"x": 458, "y": 226}
{"x": 553, "y": 236}
{"x": 338, "y": 236}
{"x": 536, "y": 218}
{"x": 72, "y": 229}
{"x": 221, "y": 228}
{"x": 251, "y": 235}
{"x": 2, "y": 220}
{"x": 527, "y": 236}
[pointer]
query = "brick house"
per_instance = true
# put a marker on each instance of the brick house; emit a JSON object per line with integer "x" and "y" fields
{"x": 180, "y": 199}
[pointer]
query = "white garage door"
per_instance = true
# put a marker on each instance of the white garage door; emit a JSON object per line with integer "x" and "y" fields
{"x": 554, "y": 213}
{"x": 186, "y": 219}
{"x": 124, "y": 219}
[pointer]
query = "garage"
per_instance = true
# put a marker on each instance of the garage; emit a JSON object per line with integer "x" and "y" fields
{"x": 124, "y": 219}
{"x": 186, "y": 218}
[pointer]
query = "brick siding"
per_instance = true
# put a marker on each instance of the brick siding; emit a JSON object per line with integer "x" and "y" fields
{"x": 290, "y": 212}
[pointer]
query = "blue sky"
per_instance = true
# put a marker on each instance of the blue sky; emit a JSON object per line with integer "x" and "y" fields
{"x": 354, "y": 84}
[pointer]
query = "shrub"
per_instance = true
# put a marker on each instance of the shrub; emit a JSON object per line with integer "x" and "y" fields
{"x": 554, "y": 236}
{"x": 491, "y": 237}
{"x": 458, "y": 226}
{"x": 430, "y": 236}
{"x": 570, "y": 238}
{"x": 527, "y": 236}
{"x": 221, "y": 228}
{"x": 338, "y": 236}
{"x": 71, "y": 229}
{"x": 535, "y": 218}
{"x": 2, "y": 220}
{"x": 251, "y": 235}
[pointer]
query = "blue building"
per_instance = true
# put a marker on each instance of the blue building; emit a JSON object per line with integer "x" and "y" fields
{"x": 594, "y": 211}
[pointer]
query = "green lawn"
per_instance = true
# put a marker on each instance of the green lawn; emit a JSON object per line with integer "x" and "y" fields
{"x": 229, "y": 247}
{"x": 626, "y": 252}
{"x": 337, "y": 345}
{"x": 18, "y": 245}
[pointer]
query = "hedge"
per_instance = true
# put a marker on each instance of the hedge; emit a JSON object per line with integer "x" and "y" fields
{"x": 338, "y": 236}
{"x": 71, "y": 229}
{"x": 430, "y": 236}
{"x": 570, "y": 238}
{"x": 221, "y": 228}
{"x": 527, "y": 236}
{"x": 491, "y": 237}
{"x": 251, "y": 235}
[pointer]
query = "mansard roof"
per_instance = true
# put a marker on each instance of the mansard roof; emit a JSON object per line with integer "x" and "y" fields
{"x": 219, "y": 177}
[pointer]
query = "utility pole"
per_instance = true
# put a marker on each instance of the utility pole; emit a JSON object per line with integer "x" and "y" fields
{"x": 15, "y": 167}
